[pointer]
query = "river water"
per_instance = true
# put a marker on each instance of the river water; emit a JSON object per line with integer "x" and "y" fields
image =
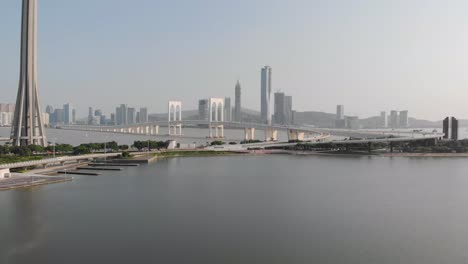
{"x": 246, "y": 209}
{"x": 243, "y": 209}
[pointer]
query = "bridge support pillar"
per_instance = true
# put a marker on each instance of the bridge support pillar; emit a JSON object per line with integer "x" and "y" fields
{"x": 249, "y": 133}
{"x": 218, "y": 130}
{"x": 271, "y": 134}
{"x": 295, "y": 135}
{"x": 369, "y": 147}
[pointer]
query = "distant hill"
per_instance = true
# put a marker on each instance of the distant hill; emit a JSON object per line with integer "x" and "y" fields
{"x": 312, "y": 118}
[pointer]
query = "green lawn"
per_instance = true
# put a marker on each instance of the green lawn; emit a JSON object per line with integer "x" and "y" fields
{"x": 4, "y": 159}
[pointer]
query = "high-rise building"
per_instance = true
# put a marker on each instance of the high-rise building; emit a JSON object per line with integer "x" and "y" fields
{"x": 203, "y": 109}
{"x": 112, "y": 118}
{"x": 403, "y": 119}
{"x": 282, "y": 109}
{"x": 238, "y": 101}
{"x": 288, "y": 112}
{"x": 121, "y": 115}
{"x": 143, "y": 115}
{"x": 265, "y": 94}
{"x": 394, "y": 121}
{"x": 131, "y": 115}
{"x": 340, "y": 112}
{"x": 227, "y": 109}
{"x": 50, "y": 109}
{"x": 278, "y": 114}
{"x": 98, "y": 112}
{"x": 28, "y": 126}
{"x": 90, "y": 116}
{"x": 73, "y": 116}
{"x": 67, "y": 114}
{"x": 7, "y": 108}
{"x": 383, "y": 119}
{"x": 450, "y": 128}
{"x": 59, "y": 116}
{"x": 340, "y": 121}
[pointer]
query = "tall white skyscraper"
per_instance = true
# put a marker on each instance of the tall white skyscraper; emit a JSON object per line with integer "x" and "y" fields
{"x": 265, "y": 95}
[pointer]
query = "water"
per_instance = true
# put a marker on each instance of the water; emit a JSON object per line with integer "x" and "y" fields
{"x": 246, "y": 209}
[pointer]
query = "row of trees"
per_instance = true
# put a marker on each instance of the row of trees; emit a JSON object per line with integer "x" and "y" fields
{"x": 140, "y": 145}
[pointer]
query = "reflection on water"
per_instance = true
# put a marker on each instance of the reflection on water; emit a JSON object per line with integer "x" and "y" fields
{"x": 246, "y": 209}
{"x": 23, "y": 227}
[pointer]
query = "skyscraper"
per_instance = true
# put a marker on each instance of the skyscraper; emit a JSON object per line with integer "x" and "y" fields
{"x": 265, "y": 94}
{"x": 383, "y": 119}
{"x": 67, "y": 114}
{"x": 394, "y": 119}
{"x": 340, "y": 112}
{"x": 143, "y": 115}
{"x": 279, "y": 108}
{"x": 288, "y": 112}
{"x": 131, "y": 115}
{"x": 403, "y": 119}
{"x": 340, "y": 121}
{"x": 121, "y": 115}
{"x": 28, "y": 126}
{"x": 238, "y": 106}
{"x": 450, "y": 128}
{"x": 90, "y": 116}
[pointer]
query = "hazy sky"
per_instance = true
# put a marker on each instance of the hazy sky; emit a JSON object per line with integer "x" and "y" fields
{"x": 369, "y": 55}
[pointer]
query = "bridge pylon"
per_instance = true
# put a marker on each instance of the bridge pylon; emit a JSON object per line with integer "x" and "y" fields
{"x": 175, "y": 118}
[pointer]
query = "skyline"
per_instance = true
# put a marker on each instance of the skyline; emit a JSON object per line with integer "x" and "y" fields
{"x": 323, "y": 54}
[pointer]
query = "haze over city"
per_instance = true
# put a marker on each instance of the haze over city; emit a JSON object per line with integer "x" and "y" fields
{"x": 367, "y": 55}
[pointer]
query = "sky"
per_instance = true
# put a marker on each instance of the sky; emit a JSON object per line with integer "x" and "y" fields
{"x": 370, "y": 55}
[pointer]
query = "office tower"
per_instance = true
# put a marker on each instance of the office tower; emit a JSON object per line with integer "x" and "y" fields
{"x": 131, "y": 115}
{"x": 7, "y": 108}
{"x": 454, "y": 127}
{"x": 340, "y": 121}
{"x": 143, "y": 115}
{"x": 67, "y": 114}
{"x": 74, "y": 116}
{"x": 288, "y": 113}
{"x": 238, "y": 101}
{"x": 394, "y": 119}
{"x": 50, "y": 109}
{"x": 278, "y": 112}
{"x": 403, "y": 119}
{"x": 28, "y": 126}
{"x": 121, "y": 114}
{"x": 340, "y": 112}
{"x": 227, "y": 109}
{"x": 97, "y": 112}
{"x": 90, "y": 116}
{"x": 203, "y": 109}
{"x": 59, "y": 116}
{"x": 112, "y": 118}
{"x": 383, "y": 119}
{"x": 265, "y": 94}
{"x": 450, "y": 128}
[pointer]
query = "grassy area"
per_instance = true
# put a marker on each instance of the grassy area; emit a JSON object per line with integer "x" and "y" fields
{"x": 4, "y": 159}
{"x": 190, "y": 153}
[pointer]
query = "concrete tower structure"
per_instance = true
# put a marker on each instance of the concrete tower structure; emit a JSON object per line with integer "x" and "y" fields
{"x": 265, "y": 95}
{"x": 28, "y": 126}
